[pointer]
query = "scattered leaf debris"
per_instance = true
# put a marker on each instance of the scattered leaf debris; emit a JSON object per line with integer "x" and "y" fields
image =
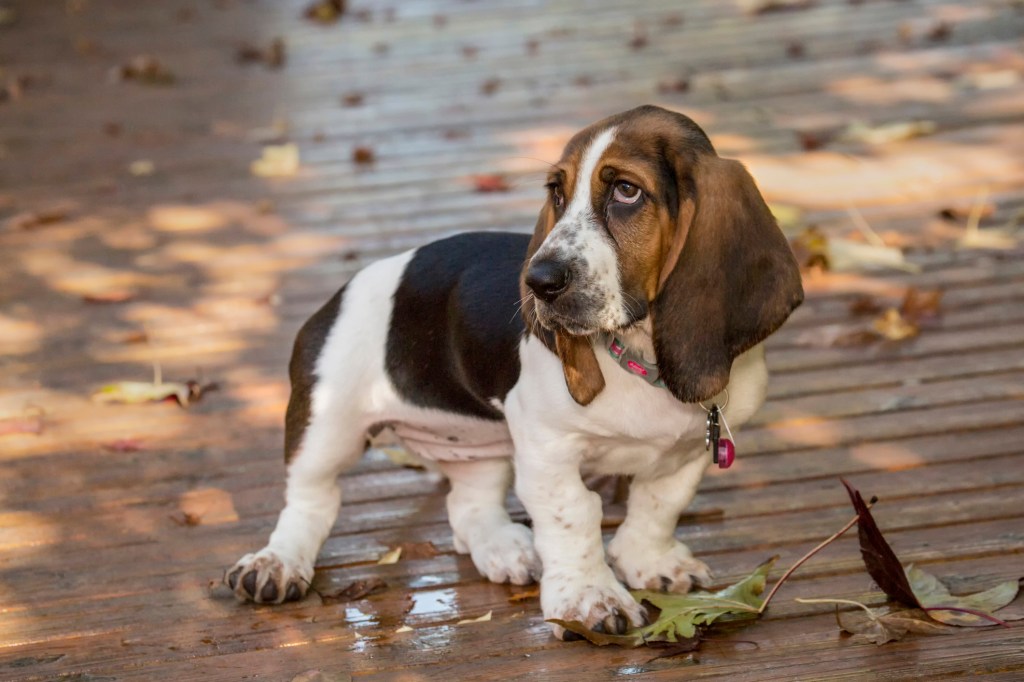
{"x": 142, "y": 168}
{"x": 482, "y": 619}
{"x": 757, "y": 7}
{"x": 884, "y": 133}
{"x": 865, "y": 305}
{"x": 363, "y": 156}
{"x": 921, "y": 305}
{"x": 186, "y": 519}
{"x": 110, "y": 296}
{"x": 404, "y": 628}
{"x": 357, "y": 589}
{"x": 525, "y": 595}
{"x": 391, "y": 556}
{"x": 134, "y": 392}
{"x": 273, "y": 56}
{"x": 325, "y": 11}
{"x": 490, "y": 183}
{"x": 893, "y": 326}
{"x": 143, "y": 69}
{"x": 353, "y": 99}
{"x": 30, "y": 421}
{"x": 418, "y": 550}
{"x": 31, "y": 220}
{"x": 277, "y": 161}
{"x": 882, "y": 625}
{"x": 490, "y": 86}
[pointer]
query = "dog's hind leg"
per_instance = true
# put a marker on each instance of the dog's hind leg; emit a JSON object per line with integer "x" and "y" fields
{"x": 501, "y": 550}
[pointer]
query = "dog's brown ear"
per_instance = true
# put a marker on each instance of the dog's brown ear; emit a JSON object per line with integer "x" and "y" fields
{"x": 734, "y": 283}
{"x": 583, "y": 375}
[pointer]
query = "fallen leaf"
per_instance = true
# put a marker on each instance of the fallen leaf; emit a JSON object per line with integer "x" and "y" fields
{"x": 186, "y": 519}
{"x": 894, "y": 327}
{"x": 682, "y": 615}
{"x": 325, "y": 11}
{"x": 921, "y": 306}
{"x": 811, "y": 249}
{"x": 881, "y": 562}
{"x": 885, "y": 133}
{"x": 769, "y": 6}
{"x": 110, "y": 296}
{"x": 418, "y": 550}
{"x": 357, "y": 589}
{"x": 135, "y": 337}
{"x": 864, "y": 305}
{"x": 933, "y": 596}
{"x": 525, "y": 595}
{"x": 273, "y": 56}
{"x": 391, "y": 556}
{"x": 939, "y": 32}
{"x": 404, "y": 628}
{"x": 962, "y": 212}
{"x": 29, "y": 421}
{"x": 363, "y": 156}
{"x": 790, "y": 218}
{"x": 490, "y": 183}
{"x": 132, "y": 392}
{"x": 124, "y": 445}
{"x": 482, "y": 619}
{"x": 143, "y": 69}
{"x": 31, "y": 220}
{"x": 811, "y": 140}
{"x": 845, "y": 254}
{"x": 490, "y": 86}
{"x": 885, "y": 624}
{"x": 353, "y": 99}
{"x": 277, "y": 161}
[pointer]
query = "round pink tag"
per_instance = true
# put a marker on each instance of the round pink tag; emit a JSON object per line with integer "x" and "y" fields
{"x": 726, "y": 453}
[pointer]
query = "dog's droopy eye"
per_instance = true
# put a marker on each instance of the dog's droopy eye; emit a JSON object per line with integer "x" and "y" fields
{"x": 626, "y": 193}
{"x": 556, "y": 195}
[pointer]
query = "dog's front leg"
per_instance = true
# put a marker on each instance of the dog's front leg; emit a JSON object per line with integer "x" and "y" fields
{"x": 644, "y": 552}
{"x": 577, "y": 584}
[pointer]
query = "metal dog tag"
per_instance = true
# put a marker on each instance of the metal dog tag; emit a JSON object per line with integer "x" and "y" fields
{"x": 713, "y": 433}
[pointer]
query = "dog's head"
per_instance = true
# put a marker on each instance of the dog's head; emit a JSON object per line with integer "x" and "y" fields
{"x": 644, "y": 219}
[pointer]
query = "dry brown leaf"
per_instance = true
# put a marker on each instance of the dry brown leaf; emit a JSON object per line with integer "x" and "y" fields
{"x": 110, "y": 296}
{"x": 124, "y": 445}
{"x": 811, "y": 248}
{"x": 418, "y": 550}
{"x": 143, "y": 69}
{"x": 273, "y": 56}
{"x": 132, "y": 392}
{"x": 894, "y": 327}
{"x": 490, "y": 183}
{"x": 490, "y": 86}
{"x": 769, "y": 6}
{"x": 363, "y": 156}
{"x": 186, "y": 519}
{"x": 391, "y": 556}
{"x": 525, "y": 595}
{"x": 353, "y": 99}
{"x": 357, "y": 589}
{"x": 921, "y": 306}
{"x": 31, "y": 220}
{"x": 880, "y": 626}
{"x": 29, "y": 421}
{"x": 404, "y": 628}
{"x": 325, "y": 11}
{"x": 865, "y": 305}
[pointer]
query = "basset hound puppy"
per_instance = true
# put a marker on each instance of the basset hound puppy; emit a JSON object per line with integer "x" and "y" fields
{"x": 653, "y": 275}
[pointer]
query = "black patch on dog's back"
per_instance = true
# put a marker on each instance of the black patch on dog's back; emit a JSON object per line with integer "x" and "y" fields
{"x": 455, "y": 327}
{"x": 302, "y": 371}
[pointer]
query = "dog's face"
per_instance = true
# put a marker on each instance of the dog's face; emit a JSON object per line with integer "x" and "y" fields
{"x": 642, "y": 220}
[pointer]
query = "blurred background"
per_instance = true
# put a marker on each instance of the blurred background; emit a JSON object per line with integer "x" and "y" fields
{"x": 182, "y": 183}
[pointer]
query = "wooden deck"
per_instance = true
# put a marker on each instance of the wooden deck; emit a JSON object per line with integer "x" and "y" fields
{"x": 117, "y": 521}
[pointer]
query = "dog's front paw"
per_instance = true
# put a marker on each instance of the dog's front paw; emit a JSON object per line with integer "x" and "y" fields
{"x": 507, "y": 555}
{"x": 266, "y": 578}
{"x": 601, "y": 605}
{"x": 668, "y": 570}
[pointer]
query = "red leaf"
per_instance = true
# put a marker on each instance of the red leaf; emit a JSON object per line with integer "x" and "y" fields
{"x": 882, "y": 563}
{"x": 357, "y": 589}
{"x": 490, "y": 183}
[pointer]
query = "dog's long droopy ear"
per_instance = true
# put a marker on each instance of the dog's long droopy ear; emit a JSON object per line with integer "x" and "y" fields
{"x": 735, "y": 282}
{"x": 583, "y": 375}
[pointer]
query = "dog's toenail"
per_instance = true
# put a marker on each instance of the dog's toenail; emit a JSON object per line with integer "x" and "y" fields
{"x": 232, "y": 580}
{"x": 570, "y": 636}
{"x": 599, "y": 627}
{"x": 269, "y": 591}
{"x": 249, "y": 583}
{"x": 666, "y": 583}
{"x": 292, "y": 594}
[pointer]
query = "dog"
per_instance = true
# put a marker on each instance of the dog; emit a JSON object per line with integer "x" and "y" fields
{"x": 642, "y": 299}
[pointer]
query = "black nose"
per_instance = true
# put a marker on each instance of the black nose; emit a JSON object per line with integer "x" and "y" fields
{"x": 548, "y": 279}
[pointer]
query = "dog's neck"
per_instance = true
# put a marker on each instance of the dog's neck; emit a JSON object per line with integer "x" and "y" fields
{"x": 639, "y": 339}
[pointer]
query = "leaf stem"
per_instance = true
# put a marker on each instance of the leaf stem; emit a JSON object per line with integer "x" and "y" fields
{"x": 849, "y": 602}
{"x": 973, "y": 612}
{"x": 825, "y": 543}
